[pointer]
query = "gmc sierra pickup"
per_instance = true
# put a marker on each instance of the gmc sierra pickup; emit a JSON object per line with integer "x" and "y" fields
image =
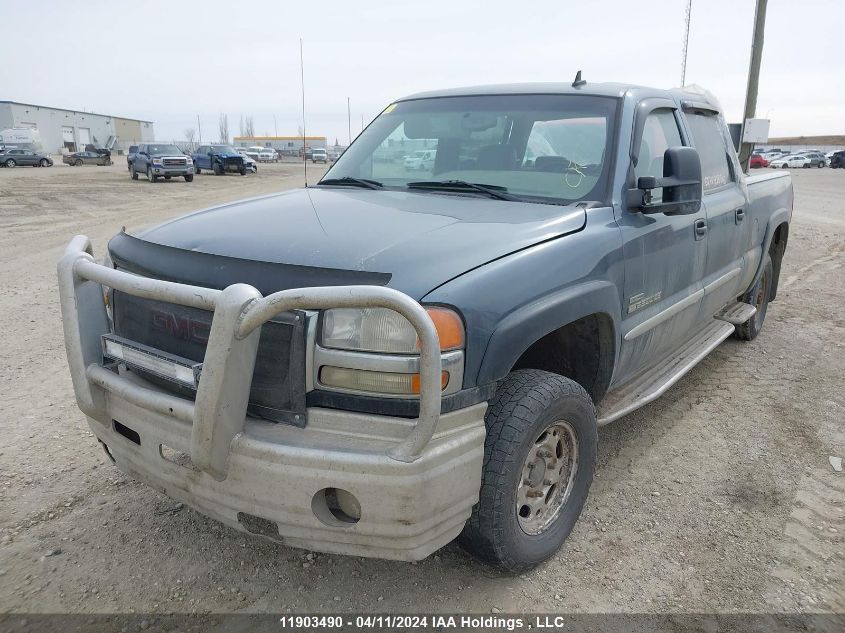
{"x": 393, "y": 358}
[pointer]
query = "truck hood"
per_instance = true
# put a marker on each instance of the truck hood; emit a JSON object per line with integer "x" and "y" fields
{"x": 416, "y": 240}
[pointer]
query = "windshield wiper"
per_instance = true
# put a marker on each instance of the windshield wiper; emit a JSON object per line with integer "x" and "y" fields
{"x": 494, "y": 191}
{"x": 348, "y": 181}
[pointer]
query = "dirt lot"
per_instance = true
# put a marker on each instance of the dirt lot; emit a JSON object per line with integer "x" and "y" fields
{"x": 717, "y": 498}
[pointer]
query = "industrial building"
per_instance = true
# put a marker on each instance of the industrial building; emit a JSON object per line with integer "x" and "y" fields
{"x": 71, "y": 130}
{"x": 290, "y": 145}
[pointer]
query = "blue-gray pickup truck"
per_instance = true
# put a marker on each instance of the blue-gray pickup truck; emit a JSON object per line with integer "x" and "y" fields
{"x": 394, "y": 358}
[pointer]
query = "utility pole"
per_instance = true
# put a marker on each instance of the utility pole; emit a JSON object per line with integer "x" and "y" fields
{"x": 753, "y": 79}
{"x": 275, "y": 127}
{"x": 199, "y": 128}
{"x": 349, "y": 120}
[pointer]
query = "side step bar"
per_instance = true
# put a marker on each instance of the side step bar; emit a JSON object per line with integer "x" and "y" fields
{"x": 654, "y": 383}
{"x": 737, "y": 313}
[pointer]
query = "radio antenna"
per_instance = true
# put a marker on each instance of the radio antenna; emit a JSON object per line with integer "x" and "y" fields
{"x": 302, "y": 83}
{"x": 686, "y": 44}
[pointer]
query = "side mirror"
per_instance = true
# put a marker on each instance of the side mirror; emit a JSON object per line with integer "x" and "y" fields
{"x": 681, "y": 184}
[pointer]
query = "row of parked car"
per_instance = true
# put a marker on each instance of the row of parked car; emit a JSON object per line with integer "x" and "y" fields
{"x": 779, "y": 159}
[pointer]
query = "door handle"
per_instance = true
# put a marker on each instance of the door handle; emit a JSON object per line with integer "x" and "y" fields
{"x": 700, "y": 229}
{"x": 739, "y": 214}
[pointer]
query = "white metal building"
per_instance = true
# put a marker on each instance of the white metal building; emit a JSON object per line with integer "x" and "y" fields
{"x": 72, "y": 130}
{"x": 286, "y": 144}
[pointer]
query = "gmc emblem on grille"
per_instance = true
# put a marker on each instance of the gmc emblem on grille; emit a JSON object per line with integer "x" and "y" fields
{"x": 185, "y": 328}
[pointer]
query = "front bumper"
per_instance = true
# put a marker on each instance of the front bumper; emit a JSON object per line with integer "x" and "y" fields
{"x": 180, "y": 170}
{"x": 415, "y": 481}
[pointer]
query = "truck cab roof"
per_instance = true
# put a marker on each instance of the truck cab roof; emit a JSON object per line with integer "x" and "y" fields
{"x": 690, "y": 93}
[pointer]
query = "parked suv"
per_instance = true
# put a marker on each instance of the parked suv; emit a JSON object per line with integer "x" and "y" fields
{"x": 159, "y": 160}
{"x": 319, "y": 155}
{"x": 15, "y": 157}
{"x": 816, "y": 158}
{"x": 837, "y": 160}
{"x": 380, "y": 364}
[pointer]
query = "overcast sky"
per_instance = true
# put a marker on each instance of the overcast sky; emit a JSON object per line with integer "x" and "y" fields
{"x": 171, "y": 61}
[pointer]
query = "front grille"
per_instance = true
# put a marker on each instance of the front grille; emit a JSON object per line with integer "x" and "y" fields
{"x": 175, "y": 162}
{"x": 278, "y": 381}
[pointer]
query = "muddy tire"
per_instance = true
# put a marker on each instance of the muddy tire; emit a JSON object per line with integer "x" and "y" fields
{"x": 132, "y": 173}
{"x": 189, "y": 178}
{"x": 539, "y": 458}
{"x": 757, "y": 296}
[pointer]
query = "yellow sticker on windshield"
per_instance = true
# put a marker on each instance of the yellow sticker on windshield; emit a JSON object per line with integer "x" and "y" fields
{"x": 389, "y": 108}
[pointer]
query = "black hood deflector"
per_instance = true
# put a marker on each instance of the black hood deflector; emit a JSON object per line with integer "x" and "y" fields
{"x": 219, "y": 271}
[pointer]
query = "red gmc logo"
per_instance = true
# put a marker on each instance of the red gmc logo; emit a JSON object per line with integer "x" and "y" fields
{"x": 184, "y": 328}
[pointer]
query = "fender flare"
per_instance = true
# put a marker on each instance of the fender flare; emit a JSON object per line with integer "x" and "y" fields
{"x": 781, "y": 216}
{"x": 523, "y": 327}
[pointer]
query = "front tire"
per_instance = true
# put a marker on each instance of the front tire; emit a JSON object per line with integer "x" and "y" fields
{"x": 189, "y": 178}
{"x": 218, "y": 169}
{"x": 132, "y": 173}
{"x": 77, "y": 162}
{"x": 10, "y": 163}
{"x": 539, "y": 458}
{"x": 757, "y": 296}
{"x": 150, "y": 175}
{"x": 44, "y": 162}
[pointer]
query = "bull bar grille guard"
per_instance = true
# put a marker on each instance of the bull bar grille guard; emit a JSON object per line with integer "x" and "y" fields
{"x": 218, "y": 413}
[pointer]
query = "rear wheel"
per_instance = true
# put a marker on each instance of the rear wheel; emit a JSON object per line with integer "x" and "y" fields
{"x": 539, "y": 458}
{"x": 107, "y": 162}
{"x": 758, "y": 296}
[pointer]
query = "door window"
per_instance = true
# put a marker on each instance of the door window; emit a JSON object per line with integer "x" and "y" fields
{"x": 660, "y": 132}
{"x": 709, "y": 140}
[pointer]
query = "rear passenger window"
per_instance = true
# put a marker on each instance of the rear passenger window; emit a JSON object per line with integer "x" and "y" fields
{"x": 660, "y": 132}
{"x": 709, "y": 140}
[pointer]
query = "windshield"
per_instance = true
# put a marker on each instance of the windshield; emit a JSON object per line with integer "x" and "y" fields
{"x": 223, "y": 149}
{"x": 548, "y": 147}
{"x": 163, "y": 150}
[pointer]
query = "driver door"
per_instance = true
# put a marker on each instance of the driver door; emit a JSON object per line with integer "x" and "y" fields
{"x": 665, "y": 255}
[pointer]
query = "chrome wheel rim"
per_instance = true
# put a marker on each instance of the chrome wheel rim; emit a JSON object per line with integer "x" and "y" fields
{"x": 547, "y": 477}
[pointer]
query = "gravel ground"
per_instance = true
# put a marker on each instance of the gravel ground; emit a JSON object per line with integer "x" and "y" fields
{"x": 719, "y": 497}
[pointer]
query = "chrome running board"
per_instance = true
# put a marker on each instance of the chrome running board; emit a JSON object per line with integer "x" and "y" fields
{"x": 737, "y": 313}
{"x": 653, "y": 383}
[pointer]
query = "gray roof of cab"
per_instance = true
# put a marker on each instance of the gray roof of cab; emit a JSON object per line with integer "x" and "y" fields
{"x": 593, "y": 89}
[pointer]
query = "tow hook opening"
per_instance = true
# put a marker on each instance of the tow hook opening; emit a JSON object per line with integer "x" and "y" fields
{"x": 336, "y": 507}
{"x": 126, "y": 432}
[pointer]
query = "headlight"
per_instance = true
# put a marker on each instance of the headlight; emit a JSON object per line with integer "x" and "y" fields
{"x": 156, "y": 161}
{"x": 190, "y": 161}
{"x": 376, "y": 350}
{"x": 386, "y": 331}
